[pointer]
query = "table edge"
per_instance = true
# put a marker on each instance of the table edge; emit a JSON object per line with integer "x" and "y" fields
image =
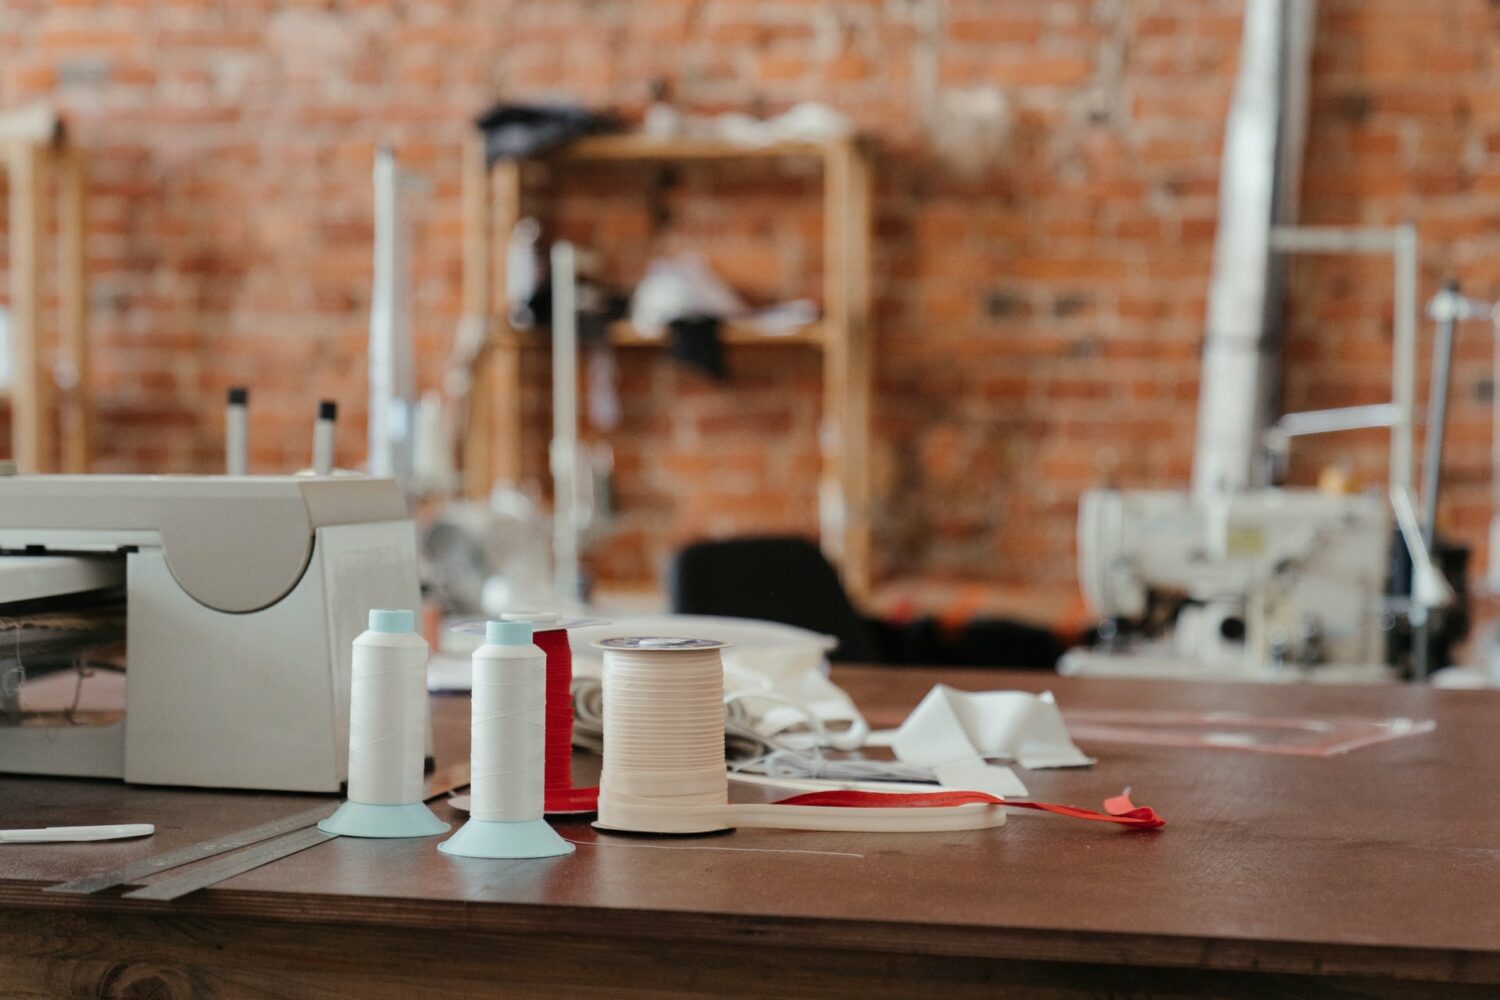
{"x": 957, "y": 941}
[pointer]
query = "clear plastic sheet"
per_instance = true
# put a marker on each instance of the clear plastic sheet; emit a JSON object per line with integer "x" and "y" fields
{"x": 1222, "y": 730}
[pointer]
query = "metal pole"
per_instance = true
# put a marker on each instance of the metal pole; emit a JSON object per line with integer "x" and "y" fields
{"x": 1445, "y": 311}
{"x": 1404, "y": 360}
{"x": 564, "y": 450}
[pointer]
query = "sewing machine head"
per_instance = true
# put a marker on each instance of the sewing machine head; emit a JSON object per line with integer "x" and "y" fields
{"x": 1264, "y": 583}
{"x": 240, "y": 597}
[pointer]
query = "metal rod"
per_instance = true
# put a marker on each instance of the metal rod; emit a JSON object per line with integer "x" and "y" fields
{"x": 1344, "y": 418}
{"x": 564, "y": 450}
{"x": 1404, "y": 358}
{"x": 1437, "y": 411}
{"x": 1446, "y": 313}
{"x": 1335, "y": 239}
{"x": 237, "y": 432}
{"x": 323, "y": 437}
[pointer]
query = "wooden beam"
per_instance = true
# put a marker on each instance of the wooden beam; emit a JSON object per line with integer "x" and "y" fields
{"x": 505, "y": 361}
{"x": 636, "y": 146}
{"x": 847, "y": 372}
{"x": 75, "y": 417}
{"x": 477, "y": 309}
{"x": 31, "y": 382}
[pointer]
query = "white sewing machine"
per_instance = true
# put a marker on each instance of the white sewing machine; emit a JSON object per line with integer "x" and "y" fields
{"x": 243, "y": 595}
{"x": 1277, "y": 583}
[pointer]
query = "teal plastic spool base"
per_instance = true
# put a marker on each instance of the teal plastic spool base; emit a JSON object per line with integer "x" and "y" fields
{"x": 480, "y": 838}
{"x": 361, "y": 819}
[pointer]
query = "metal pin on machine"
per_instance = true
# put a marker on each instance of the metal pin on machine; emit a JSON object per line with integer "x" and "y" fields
{"x": 237, "y": 432}
{"x": 323, "y": 437}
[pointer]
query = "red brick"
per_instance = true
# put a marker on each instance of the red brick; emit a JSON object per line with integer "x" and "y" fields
{"x": 231, "y": 226}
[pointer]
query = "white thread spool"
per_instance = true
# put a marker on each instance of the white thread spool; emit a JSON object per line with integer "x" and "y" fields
{"x": 664, "y": 754}
{"x": 387, "y": 733}
{"x": 508, "y": 728}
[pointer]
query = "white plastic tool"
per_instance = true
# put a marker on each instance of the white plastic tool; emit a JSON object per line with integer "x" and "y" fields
{"x": 664, "y": 754}
{"x": 506, "y": 800}
{"x": 64, "y": 834}
{"x": 387, "y": 734}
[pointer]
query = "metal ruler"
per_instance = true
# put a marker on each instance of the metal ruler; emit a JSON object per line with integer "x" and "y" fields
{"x": 293, "y": 833}
{"x": 219, "y": 869}
{"x": 194, "y": 852}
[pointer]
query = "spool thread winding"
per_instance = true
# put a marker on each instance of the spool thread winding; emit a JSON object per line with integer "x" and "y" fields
{"x": 508, "y": 727}
{"x": 387, "y": 719}
{"x": 561, "y": 796}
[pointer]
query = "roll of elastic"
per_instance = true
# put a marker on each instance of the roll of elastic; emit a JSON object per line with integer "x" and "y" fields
{"x": 387, "y": 718}
{"x": 664, "y": 754}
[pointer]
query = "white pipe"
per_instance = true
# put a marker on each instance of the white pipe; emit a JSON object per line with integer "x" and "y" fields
{"x": 1262, "y": 149}
{"x": 391, "y": 379}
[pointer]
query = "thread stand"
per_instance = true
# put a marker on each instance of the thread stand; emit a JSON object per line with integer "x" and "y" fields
{"x": 363, "y": 819}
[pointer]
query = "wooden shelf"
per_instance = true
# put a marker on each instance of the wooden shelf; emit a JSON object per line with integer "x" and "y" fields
{"x": 637, "y": 146}
{"x": 494, "y": 201}
{"x": 622, "y": 334}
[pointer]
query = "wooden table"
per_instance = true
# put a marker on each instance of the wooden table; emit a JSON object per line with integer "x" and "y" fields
{"x": 1376, "y": 873}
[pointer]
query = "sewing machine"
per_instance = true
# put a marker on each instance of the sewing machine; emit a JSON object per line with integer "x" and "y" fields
{"x": 1266, "y": 584}
{"x": 242, "y": 596}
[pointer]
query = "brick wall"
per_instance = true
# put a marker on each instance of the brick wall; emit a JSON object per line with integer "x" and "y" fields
{"x": 1041, "y": 287}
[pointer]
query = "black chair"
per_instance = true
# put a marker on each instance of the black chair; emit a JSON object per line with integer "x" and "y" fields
{"x": 788, "y": 580}
{"x": 785, "y": 580}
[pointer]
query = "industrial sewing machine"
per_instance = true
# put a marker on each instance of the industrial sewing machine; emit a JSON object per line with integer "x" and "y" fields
{"x": 241, "y": 598}
{"x": 1264, "y": 584}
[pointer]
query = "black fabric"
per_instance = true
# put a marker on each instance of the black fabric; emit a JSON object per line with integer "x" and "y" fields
{"x": 775, "y": 579}
{"x": 695, "y": 342}
{"x": 516, "y": 131}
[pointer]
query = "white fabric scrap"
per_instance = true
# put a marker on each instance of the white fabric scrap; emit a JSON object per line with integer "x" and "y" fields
{"x": 952, "y": 732}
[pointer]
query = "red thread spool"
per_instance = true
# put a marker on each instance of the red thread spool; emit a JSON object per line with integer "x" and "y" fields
{"x": 561, "y": 796}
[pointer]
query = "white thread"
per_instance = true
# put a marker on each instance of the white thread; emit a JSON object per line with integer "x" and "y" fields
{"x": 664, "y": 756}
{"x": 508, "y": 733}
{"x": 387, "y": 718}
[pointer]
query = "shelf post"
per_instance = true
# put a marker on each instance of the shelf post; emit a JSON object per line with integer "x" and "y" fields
{"x": 477, "y": 310}
{"x": 847, "y": 364}
{"x": 505, "y": 352}
{"x": 31, "y": 382}
{"x": 75, "y": 416}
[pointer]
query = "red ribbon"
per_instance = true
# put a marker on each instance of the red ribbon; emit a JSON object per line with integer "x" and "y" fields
{"x": 561, "y": 796}
{"x": 1116, "y": 810}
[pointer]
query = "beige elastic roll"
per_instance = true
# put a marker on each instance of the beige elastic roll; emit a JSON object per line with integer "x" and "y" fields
{"x": 664, "y": 754}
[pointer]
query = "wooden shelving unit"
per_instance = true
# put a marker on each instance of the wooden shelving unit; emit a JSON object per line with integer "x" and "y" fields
{"x": 493, "y": 203}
